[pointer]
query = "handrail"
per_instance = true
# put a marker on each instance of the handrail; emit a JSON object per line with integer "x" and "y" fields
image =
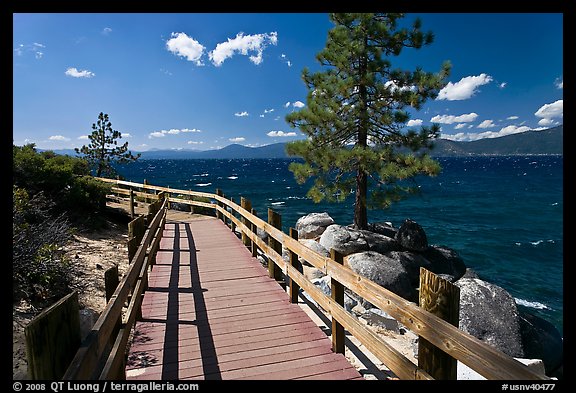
{"x": 95, "y": 359}
{"x": 476, "y": 354}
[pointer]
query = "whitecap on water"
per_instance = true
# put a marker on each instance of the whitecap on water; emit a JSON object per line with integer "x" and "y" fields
{"x": 203, "y": 184}
{"x": 232, "y": 177}
{"x": 536, "y": 305}
{"x": 277, "y": 203}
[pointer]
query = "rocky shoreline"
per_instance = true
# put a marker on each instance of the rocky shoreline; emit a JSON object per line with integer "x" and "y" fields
{"x": 392, "y": 258}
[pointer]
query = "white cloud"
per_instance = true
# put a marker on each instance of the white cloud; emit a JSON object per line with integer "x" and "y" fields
{"x": 285, "y": 60}
{"x": 268, "y": 110}
{"x": 460, "y": 125}
{"x": 243, "y": 44}
{"x": 106, "y": 30}
{"x": 75, "y": 73}
{"x": 551, "y": 111}
{"x": 414, "y": 122}
{"x": 559, "y": 83}
{"x": 126, "y": 135}
{"x": 298, "y": 104}
{"x": 237, "y": 139}
{"x": 286, "y": 105}
{"x": 508, "y": 130}
{"x": 546, "y": 122}
{"x": 241, "y": 114}
{"x": 280, "y": 134}
{"x": 502, "y": 85}
{"x": 35, "y": 48}
{"x": 512, "y": 118}
{"x": 195, "y": 143}
{"x": 58, "y": 138}
{"x": 463, "y": 89}
{"x": 393, "y": 86}
{"x": 172, "y": 131}
{"x": 450, "y": 119}
{"x": 486, "y": 124}
{"x": 182, "y": 45}
{"x": 83, "y": 137}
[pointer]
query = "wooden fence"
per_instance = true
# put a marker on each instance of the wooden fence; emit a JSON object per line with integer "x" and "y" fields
{"x": 437, "y": 332}
{"x": 102, "y": 354}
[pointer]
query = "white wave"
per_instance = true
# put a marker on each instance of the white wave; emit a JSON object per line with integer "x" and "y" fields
{"x": 536, "y": 305}
{"x": 203, "y": 184}
{"x": 201, "y": 175}
{"x": 277, "y": 203}
{"x": 232, "y": 177}
{"x": 554, "y": 204}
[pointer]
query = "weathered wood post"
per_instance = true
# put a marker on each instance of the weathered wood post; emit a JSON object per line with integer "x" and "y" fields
{"x": 52, "y": 339}
{"x": 131, "y": 203}
{"x": 111, "y": 281}
{"x": 136, "y": 230}
{"x": 246, "y": 205}
{"x": 219, "y": 215}
{"x": 255, "y": 230}
{"x": 145, "y": 190}
{"x": 274, "y": 219}
{"x": 441, "y": 298}
{"x": 232, "y": 224}
{"x": 337, "y": 293}
{"x": 295, "y": 263}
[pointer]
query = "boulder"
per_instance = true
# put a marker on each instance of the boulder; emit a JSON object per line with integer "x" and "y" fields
{"x": 313, "y": 225}
{"x": 541, "y": 340}
{"x": 325, "y": 285}
{"x": 382, "y": 228}
{"x": 411, "y": 263}
{"x": 444, "y": 260}
{"x": 385, "y": 271}
{"x": 489, "y": 313}
{"x": 412, "y": 237}
{"x": 314, "y": 246}
{"x": 343, "y": 239}
{"x": 380, "y": 243}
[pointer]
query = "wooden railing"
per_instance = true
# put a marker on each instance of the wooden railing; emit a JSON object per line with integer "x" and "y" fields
{"x": 479, "y": 356}
{"x": 102, "y": 353}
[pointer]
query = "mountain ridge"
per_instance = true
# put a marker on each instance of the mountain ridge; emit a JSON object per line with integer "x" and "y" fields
{"x": 542, "y": 142}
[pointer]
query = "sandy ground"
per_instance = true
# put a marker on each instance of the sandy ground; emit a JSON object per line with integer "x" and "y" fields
{"x": 94, "y": 252}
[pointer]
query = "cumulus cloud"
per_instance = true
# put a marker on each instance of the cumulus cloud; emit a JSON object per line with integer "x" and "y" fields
{"x": 75, "y": 73}
{"x": 59, "y": 138}
{"x": 241, "y": 114}
{"x": 184, "y": 46}
{"x": 472, "y": 136}
{"x": 280, "y": 134}
{"x": 106, "y": 30}
{"x": 237, "y": 139}
{"x": 486, "y": 124}
{"x": 414, "y": 122}
{"x": 551, "y": 111}
{"x": 463, "y": 89}
{"x": 253, "y": 44}
{"x": 172, "y": 131}
{"x": 512, "y": 118}
{"x": 502, "y": 85}
{"x": 298, "y": 104}
{"x": 269, "y": 110}
{"x": 195, "y": 143}
{"x": 450, "y": 119}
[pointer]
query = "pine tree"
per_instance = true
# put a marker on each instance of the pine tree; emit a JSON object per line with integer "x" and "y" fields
{"x": 103, "y": 149}
{"x": 356, "y": 114}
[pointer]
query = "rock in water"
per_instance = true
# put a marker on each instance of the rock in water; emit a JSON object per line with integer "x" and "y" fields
{"x": 489, "y": 313}
{"x": 542, "y": 340}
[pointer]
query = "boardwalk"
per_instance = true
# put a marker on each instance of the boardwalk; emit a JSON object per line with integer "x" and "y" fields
{"x": 212, "y": 312}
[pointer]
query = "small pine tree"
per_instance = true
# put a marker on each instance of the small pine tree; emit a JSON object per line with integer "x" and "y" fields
{"x": 356, "y": 113}
{"x": 103, "y": 149}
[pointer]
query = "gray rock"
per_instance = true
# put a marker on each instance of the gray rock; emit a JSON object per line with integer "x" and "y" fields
{"x": 380, "y": 243}
{"x": 313, "y": 225}
{"x": 325, "y": 284}
{"x": 470, "y": 273}
{"x": 383, "y": 228}
{"x": 541, "y": 340}
{"x": 314, "y": 246}
{"x": 412, "y": 237}
{"x": 445, "y": 260}
{"x": 88, "y": 318}
{"x": 384, "y": 271}
{"x": 411, "y": 262}
{"x": 343, "y": 239}
{"x": 489, "y": 313}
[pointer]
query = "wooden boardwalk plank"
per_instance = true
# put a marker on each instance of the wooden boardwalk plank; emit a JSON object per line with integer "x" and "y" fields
{"x": 212, "y": 312}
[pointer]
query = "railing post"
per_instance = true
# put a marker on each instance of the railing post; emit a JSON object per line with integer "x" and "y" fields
{"x": 255, "y": 230}
{"x": 295, "y": 263}
{"x": 274, "y": 219}
{"x": 232, "y": 224}
{"x": 246, "y": 205}
{"x": 219, "y": 215}
{"x": 337, "y": 292}
{"x": 131, "y": 203}
{"x": 441, "y": 298}
{"x": 145, "y": 191}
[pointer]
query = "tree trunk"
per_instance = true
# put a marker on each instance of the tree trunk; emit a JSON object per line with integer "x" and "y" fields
{"x": 360, "y": 215}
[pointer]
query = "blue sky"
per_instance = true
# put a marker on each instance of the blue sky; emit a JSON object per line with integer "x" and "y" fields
{"x": 204, "y": 81}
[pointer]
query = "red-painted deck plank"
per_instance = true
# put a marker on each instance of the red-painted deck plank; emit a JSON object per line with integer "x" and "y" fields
{"x": 212, "y": 312}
